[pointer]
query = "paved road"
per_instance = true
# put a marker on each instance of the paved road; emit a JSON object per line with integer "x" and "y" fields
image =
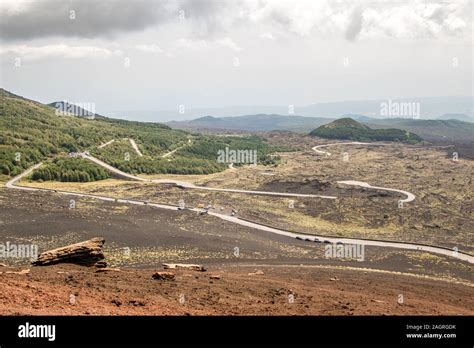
{"x": 111, "y": 169}
{"x": 11, "y": 183}
{"x": 315, "y": 148}
{"x": 188, "y": 185}
{"x": 378, "y": 243}
{"x": 410, "y": 196}
{"x": 310, "y": 238}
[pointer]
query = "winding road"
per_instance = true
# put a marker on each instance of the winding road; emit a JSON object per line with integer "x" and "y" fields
{"x": 322, "y": 152}
{"x": 410, "y": 196}
{"x": 188, "y": 185}
{"x": 312, "y": 238}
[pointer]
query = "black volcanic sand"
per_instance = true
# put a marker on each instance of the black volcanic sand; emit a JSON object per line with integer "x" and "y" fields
{"x": 318, "y": 187}
{"x": 158, "y": 235}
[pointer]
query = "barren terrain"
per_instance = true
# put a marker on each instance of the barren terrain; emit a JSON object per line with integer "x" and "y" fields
{"x": 297, "y": 276}
{"x": 280, "y": 290}
{"x": 442, "y": 213}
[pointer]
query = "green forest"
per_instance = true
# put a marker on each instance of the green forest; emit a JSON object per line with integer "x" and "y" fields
{"x": 71, "y": 170}
{"x": 31, "y": 132}
{"x": 197, "y": 157}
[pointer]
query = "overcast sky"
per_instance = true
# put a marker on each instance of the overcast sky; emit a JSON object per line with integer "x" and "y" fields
{"x": 157, "y": 55}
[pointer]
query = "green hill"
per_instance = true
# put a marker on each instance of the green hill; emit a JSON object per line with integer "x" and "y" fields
{"x": 31, "y": 132}
{"x": 349, "y": 129}
{"x": 346, "y": 123}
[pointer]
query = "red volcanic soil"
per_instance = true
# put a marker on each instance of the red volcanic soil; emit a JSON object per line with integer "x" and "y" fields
{"x": 228, "y": 290}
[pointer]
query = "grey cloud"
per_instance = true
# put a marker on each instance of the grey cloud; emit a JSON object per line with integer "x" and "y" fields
{"x": 440, "y": 14}
{"x": 92, "y": 18}
{"x": 210, "y": 19}
{"x": 355, "y": 25}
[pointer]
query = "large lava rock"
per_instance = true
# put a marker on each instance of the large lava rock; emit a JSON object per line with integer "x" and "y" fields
{"x": 84, "y": 253}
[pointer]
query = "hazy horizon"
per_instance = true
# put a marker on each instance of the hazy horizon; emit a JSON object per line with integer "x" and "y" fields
{"x": 437, "y": 106}
{"x": 164, "y": 55}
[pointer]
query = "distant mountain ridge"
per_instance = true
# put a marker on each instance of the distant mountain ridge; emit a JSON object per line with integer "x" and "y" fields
{"x": 459, "y": 117}
{"x": 427, "y": 129}
{"x": 252, "y": 123}
{"x": 420, "y": 107}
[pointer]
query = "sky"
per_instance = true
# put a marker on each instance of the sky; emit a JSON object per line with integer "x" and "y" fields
{"x": 160, "y": 55}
